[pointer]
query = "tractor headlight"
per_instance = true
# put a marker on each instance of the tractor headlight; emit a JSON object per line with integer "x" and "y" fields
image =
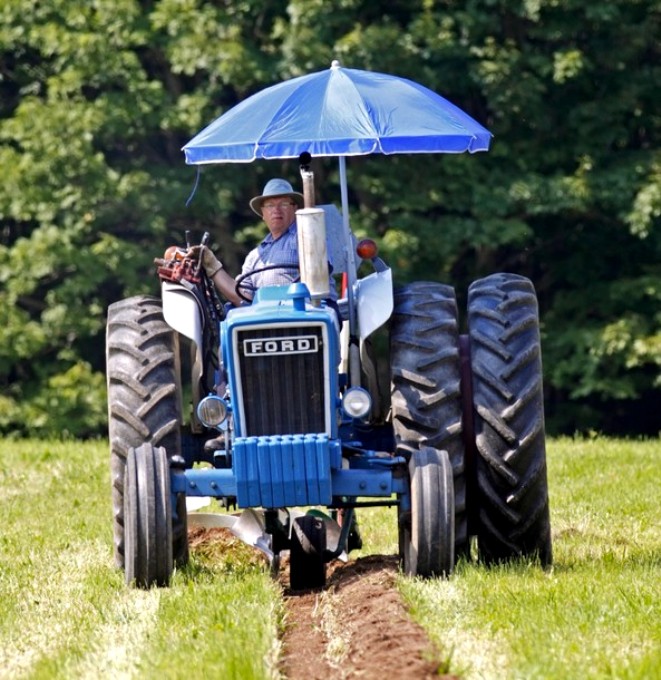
{"x": 356, "y": 402}
{"x": 212, "y": 411}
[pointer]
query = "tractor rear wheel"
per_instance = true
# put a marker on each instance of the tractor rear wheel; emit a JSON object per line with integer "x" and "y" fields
{"x": 144, "y": 405}
{"x": 512, "y": 492}
{"x": 426, "y": 383}
{"x": 428, "y": 538}
{"x": 307, "y": 563}
{"x": 147, "y": 518}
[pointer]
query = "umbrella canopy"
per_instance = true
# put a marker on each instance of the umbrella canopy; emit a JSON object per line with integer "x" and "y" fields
{"x": 337, "y": 112}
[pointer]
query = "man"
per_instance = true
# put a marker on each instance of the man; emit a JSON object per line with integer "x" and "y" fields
{"x": 277, "y": 254}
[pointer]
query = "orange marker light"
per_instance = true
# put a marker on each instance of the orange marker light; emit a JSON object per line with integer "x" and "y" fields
{"x": 367, "y": 249}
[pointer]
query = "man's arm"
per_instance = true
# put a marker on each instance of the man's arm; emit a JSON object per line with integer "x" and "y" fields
{"x": 215, "y": 270}
{"x": 226, "y": 286}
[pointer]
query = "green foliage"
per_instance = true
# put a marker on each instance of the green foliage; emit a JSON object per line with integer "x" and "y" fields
{"x": 96, "y": 100}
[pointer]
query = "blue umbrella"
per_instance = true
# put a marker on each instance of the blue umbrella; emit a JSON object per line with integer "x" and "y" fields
{"x": 338, "y": 112}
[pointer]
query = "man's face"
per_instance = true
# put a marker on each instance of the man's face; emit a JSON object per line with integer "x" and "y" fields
{"x": 278, "y": 213}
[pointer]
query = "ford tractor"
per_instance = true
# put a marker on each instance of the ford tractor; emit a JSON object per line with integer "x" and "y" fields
{"x": 274, "y": 409}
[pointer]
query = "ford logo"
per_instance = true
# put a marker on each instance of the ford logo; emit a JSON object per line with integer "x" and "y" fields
{"x": 298, "y": 344}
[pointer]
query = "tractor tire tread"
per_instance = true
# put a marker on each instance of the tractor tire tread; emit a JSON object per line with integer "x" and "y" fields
{"x": 509, "y": 420}
{"x": 143, "y": 400}
{"x": 426, "y": 383}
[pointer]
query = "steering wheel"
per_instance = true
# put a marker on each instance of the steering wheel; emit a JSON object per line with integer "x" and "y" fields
{"x": 241, "y": 280}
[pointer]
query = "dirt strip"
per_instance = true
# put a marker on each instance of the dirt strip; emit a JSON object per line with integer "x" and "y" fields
{"x": 357, "y": 627}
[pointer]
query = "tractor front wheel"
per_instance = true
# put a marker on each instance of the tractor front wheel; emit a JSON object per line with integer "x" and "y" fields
{"x": 147, "y": 518}
{"x": 427, "y": 535}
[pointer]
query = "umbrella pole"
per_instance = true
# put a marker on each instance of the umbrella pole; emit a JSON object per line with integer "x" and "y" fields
{"x": 354, "y": 351}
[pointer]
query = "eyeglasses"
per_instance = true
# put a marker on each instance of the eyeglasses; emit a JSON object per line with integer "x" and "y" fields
{"x": 277, "y": 204}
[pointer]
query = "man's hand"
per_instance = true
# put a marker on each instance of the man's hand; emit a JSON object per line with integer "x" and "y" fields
{"x": 212, "y": 265}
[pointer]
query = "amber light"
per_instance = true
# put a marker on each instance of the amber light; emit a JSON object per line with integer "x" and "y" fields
{"x": 367, "y": 249}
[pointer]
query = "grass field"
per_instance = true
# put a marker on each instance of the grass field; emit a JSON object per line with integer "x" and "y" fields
{"x": 597, "y": 613}
{"x": 65, "y": 612}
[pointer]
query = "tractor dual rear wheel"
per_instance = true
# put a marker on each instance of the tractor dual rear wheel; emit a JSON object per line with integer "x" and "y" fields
{"x": 510, "y": 466}
{"x": 147, "y": 518}
{"x": 144, "y": 403}
{"x": 426, "y": 384}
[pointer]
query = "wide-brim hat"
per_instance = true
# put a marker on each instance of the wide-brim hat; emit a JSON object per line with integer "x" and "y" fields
{"x": 275, "y": 188}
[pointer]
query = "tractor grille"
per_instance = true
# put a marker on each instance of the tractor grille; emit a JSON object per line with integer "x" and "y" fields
{"x": 281, "y": 377}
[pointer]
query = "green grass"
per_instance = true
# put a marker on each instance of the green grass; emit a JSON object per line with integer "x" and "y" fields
{"x": 65, "y": 611}
{"x": 597, "y": 613}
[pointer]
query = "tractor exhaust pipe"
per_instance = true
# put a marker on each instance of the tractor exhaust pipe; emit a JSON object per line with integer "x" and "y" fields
{"x": 308, "y": 180}
{"x": 311, "y": 228}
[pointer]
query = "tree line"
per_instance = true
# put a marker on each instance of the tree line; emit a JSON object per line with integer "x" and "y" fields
{"x": 97, "y": 99}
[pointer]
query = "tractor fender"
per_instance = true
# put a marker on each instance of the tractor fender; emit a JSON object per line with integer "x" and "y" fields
{"x": 182, "y": 311}
{"x": 374, "y": 297}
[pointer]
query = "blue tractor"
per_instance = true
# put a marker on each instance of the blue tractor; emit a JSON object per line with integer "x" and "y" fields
{"x": 274, "y": 408}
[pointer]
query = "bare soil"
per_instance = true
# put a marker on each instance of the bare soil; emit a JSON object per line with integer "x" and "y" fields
{"x": 356, "y": 627}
